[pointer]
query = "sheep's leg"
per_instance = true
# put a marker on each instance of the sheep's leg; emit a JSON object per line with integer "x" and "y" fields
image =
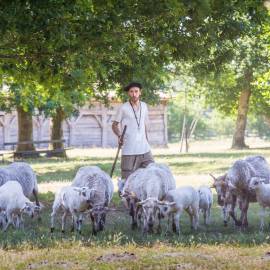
{"x": 244, "y": 210}
{"x": 64, "y": 217}
{"x": 204, "y": 216}
{"x": 36, "y": 197}
{"x": 232, "y": 211}
{"x": 80, "y": 222}
{"x": 132, "y": 213}
{"x": 208, "y": 215}
{"x": 53, "y": 214}
{"x": 177, "y": 222}
{"x": 9, "y": 222}
{"x": 262, "y": 215}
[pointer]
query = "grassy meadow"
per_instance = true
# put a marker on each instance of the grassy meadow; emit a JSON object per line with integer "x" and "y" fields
{"x": 118, "y": 247}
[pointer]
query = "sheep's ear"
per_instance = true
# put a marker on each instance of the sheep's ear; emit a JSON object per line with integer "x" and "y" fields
{"x": 172, "y": 204}
{"x": 78, "y": 189}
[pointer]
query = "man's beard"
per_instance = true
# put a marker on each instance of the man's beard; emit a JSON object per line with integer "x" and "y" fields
{"x": 136, "y": 99}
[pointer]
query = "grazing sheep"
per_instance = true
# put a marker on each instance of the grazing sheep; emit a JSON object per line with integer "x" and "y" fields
{"x": 235, "y": 185}
{"x": 22, "y": 173}
{"x": 205, "y": 203}
{"x": 15, "y": 203}
{"x": 262, "y": 191}
{"x": 143, "y": 190}
{"x": 73, "y": 200}
{"x": 178, "y": 200}
{"x": 96, "y": 179}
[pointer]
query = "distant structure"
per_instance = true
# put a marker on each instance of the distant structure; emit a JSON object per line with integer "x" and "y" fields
{"x": 91, "y": 128}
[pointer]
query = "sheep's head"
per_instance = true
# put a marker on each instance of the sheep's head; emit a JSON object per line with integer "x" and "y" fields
{"x": 166, "y": 207}
{"x": 29, "y": 208}
{"x": 150, "y": 211}
{"x": 98, "y": 217}
{"x": 86, "y": 193}
{"x": 255, "y": 182}
{"x": 221, "y": 186}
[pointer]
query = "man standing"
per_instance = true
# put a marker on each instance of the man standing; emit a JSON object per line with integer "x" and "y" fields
{"x": 134, "y": 114}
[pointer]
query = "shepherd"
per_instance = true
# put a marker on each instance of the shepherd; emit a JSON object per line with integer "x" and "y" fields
{"x": 136, "y": 151}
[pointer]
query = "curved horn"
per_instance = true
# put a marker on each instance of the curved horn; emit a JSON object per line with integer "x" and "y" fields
{"x": 213, "y": 176}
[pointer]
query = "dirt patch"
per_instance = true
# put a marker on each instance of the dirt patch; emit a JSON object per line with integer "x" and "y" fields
{"x": 63, "y": 264}
{"x": 112, "y": 257}
{"x": 266, "y": 256}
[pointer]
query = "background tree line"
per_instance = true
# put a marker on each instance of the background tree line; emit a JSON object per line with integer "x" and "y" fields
{"x": 56, "y": 55}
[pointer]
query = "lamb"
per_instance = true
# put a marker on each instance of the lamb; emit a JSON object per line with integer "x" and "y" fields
{"x": 262, "y": 191}
{"x": 205, "y": 203}
{"x": 73, "y": 200}
{"x": 22, "y": 173}
{"x": 14, "y": 203}
{"x": 142, "y": 192}
{"x": 235, "y": 185}
{"x": 178, "y": 200}
{"x": 96, "y": 179}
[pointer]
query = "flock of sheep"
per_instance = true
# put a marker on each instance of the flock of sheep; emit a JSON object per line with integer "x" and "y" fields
{"x": 149, "y": 194}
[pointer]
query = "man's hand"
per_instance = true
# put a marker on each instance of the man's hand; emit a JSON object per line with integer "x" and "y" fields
{"x": 120, "y": 141}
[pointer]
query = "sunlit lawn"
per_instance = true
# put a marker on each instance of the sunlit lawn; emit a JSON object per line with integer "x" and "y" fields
{"x": 212, "y": 247}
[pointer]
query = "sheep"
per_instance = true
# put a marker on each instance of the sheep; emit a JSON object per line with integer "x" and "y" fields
{"x": 178, "y": 200}
{"x": 205, "y": 203}
{"x": 73, "y": 200}
{"x": 94, "y": 178}
{"x": 235, "y": 185}
{"x": 15, "y": 203}
{"x": 22, "y": 173}
{"x": 262, "y": 191}
{"x": 142, "y": 192}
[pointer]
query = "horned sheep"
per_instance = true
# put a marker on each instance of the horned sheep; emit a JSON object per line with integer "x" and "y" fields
{"x": 235, "y": 185}
{"x": 178, "y": 200}
{"x": 14, "y": 203}
{"x": 22, "y": 173}
{"x": 96, "y": 179}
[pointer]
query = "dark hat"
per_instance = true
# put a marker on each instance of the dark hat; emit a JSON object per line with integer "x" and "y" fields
{"x": 132, "y": 84}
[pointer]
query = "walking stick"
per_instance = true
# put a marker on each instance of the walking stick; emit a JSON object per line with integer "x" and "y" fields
{"x": 118, "y": 150}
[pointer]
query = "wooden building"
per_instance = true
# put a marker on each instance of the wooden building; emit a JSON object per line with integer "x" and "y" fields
{"x": 92, "y": 127}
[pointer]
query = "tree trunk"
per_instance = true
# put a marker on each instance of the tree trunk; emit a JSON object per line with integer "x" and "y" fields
{"x": 57, "y": 132}
{"x": 25, "y": 133}
{"x": 239, "y": 134}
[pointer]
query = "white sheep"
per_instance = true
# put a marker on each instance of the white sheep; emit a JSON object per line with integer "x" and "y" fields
{"x": 15, "y": 203}
{"x": 178, "y": 200}
{"x": 73, "y": 200}
{"x": 22, "y": 173}
{"x": 96, "y": 179}
{"x": 142, "y": 191}
{"x": 205, "y": 203}
{"x": 262, "y": 191}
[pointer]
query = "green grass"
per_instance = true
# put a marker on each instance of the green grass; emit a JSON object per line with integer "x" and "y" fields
{"x": 214, "y": 246}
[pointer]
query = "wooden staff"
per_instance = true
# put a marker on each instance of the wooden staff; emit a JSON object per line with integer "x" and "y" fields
{"x": 118, "y": 150}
